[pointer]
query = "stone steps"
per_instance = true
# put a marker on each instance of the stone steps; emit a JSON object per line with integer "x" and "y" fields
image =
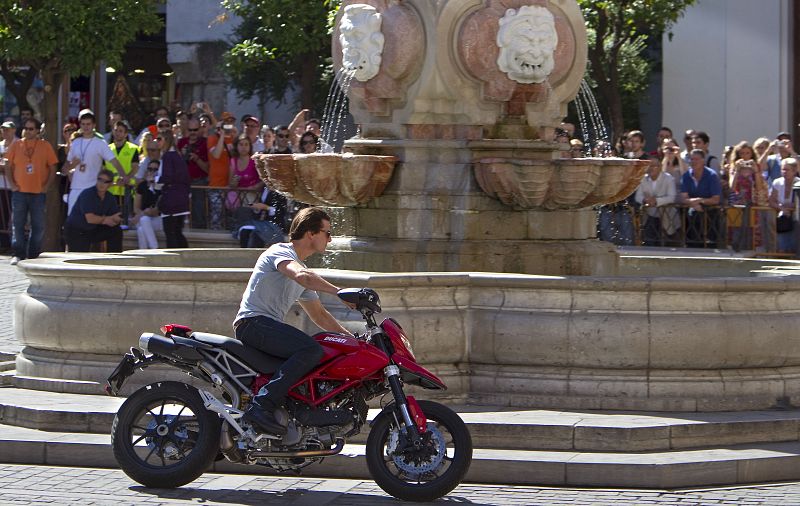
{"x": 662, "y": 470}
{"x": 504, "y": 429}
{"x": 7, "y": 378}
{"x": 634, "y": 449}
{"x": 31, "y": 383}
{"x": 8, "y": 366}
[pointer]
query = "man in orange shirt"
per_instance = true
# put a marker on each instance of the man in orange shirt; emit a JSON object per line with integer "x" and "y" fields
{"x": 219, "y": 165}
{"x": 33, "y": 169}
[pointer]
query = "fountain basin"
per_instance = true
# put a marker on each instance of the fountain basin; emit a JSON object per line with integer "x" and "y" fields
{"x": 642, "y": 341}
{"x": 558, "y": 184}
{"x": 327, "y": 178}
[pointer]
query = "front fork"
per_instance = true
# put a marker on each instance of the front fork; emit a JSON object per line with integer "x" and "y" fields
{"x": 415, "y": 423}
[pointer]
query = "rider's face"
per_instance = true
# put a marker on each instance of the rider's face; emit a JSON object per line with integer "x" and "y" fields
{"x": 322, "y": 238}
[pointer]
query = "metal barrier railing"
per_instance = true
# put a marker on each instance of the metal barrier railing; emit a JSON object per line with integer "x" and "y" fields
{"x": 675, "y": 225}
{"x": 212, "y": 208}
{"x": 216, "y": 208}
{"x": 738, "y": 227}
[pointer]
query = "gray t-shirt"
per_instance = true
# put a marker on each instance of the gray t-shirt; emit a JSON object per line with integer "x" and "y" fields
{"x": 270, "y": 293}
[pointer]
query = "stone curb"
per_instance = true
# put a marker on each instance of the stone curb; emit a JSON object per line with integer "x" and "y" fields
{"x": 507, "y": 429}
{"x": 662, "y": 470}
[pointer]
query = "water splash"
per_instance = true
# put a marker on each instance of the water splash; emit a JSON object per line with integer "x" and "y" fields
{"x": 336, "y": 107}
{"x": 593, "y": 128}
{"x": 329, "y": 104}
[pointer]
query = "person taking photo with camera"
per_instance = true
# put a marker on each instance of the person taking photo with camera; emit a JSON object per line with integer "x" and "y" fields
{"x": 779, "y": 149}
{"x": 194, "y": 150}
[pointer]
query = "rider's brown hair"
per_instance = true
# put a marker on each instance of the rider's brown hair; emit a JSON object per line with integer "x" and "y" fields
{"x": 307, "y": 220}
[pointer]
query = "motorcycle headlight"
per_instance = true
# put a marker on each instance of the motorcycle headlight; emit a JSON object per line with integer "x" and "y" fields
{"x": 407, "y": 344}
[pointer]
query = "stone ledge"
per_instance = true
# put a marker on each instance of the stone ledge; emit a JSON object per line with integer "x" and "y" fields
{"x": 495, "y": 428}
{"x": 691, "y": 468}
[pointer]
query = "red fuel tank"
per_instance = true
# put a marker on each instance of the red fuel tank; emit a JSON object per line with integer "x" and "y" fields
{"x": 348, "y": 358}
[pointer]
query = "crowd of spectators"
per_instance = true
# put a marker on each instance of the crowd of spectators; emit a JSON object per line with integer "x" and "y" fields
{"x": 746, "y": 192}
{"x": 184, "y": 167}
{"x": 194, "y": 167}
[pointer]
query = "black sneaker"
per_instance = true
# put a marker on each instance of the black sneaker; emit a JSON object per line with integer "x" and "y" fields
{"x": 263, "y": 419}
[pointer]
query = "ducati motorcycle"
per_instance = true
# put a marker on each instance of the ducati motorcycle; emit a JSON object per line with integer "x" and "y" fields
{"x": 168, "y": 433}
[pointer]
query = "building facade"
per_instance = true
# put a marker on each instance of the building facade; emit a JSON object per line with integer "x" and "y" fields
{"x": 729, "y": 68}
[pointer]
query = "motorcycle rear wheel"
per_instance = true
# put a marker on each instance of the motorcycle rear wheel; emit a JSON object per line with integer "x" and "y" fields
{"x": 163, "y": 436}
{"x": 434, "y": 475}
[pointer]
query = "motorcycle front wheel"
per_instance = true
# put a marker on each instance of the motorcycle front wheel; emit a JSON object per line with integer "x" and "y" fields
{"x": 163, "y": 436}
{"x": 422, "y": 473}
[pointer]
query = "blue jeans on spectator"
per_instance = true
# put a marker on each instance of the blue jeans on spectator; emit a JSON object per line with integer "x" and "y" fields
{"x": 266, "y": 233}
{"x": 787, "y": 241}
{"x": 22, "y": 206}
{"x": 616, "y": 225}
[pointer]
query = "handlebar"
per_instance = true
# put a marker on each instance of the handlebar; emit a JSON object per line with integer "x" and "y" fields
{"x": 366, "y": 300}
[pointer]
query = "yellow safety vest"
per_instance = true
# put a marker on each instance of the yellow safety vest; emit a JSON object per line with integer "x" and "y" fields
{"x": 125, "y": 157}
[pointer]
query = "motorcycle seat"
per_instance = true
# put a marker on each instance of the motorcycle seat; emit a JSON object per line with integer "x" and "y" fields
{"x": 258, "y": 360}
{"x": 208, "y": 338}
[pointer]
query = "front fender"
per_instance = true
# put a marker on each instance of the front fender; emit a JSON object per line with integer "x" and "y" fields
{"x": 414, "y": 374}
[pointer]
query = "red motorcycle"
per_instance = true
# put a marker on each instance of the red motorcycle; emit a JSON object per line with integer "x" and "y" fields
{"x": 168, "y": 433}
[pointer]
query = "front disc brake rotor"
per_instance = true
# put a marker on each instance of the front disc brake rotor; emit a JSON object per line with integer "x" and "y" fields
{"x": 407, "y": 464}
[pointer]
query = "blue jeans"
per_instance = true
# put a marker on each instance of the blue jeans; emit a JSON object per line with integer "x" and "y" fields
{"x": 301, "y": 351}
{"x": 266, "y": 233}
{"x": 22, "y": 206}
{"x": 616, "y": 225}
{"x": 787, "y": 241}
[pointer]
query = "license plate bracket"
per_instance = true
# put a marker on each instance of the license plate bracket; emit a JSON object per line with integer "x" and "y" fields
{"x": 125, "y": 369}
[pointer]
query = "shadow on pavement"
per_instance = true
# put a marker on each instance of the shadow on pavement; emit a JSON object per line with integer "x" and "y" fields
{"x": 295, "y": 496}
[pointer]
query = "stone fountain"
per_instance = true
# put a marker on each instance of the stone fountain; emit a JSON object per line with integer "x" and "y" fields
{"x": 454, "y": 205}
{"x": 465, "y": 96}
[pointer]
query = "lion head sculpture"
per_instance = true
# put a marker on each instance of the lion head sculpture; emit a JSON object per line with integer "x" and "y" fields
{"x": 362, "y": 41}
{"x": 527, "y": 40}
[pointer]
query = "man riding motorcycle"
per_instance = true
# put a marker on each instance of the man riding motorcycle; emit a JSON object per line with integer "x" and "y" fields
{"x": 279, "y": 279}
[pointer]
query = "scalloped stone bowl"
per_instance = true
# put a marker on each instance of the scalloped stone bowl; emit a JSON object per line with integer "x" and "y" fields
{"x": 572, "y": 183}
{"x": 326, "y": 178}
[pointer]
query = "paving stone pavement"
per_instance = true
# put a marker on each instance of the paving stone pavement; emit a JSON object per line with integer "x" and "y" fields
{"x": 23, "y": 485}
{"x": 12, "y": 283}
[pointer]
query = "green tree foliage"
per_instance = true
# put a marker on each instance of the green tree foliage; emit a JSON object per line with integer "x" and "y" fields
{"x": 618, "y": 32}
{"x": 56, "y": 38}
{"x": 284, "y": 43}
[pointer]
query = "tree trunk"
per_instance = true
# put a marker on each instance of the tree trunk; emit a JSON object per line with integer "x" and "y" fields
{"x": 307, "y": 74}
{"x": 52, "y": 78}
{"x": 18, "y": 83}
{"x": 615, "y": 113}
